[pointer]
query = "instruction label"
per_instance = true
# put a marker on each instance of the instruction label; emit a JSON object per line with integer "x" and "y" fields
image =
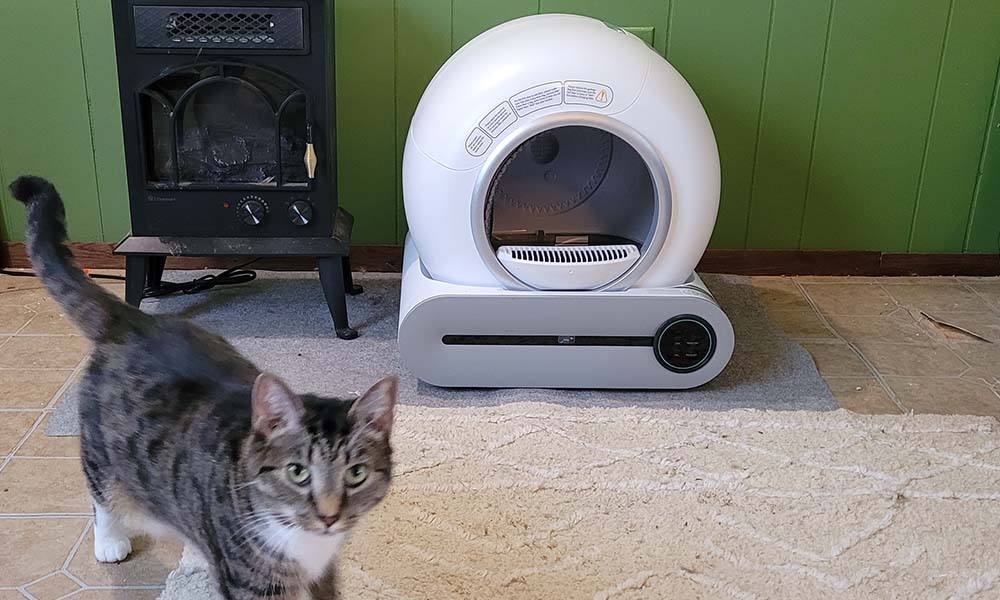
{"x": 498, "y": 119}
{"x": 478, "y": 142}
{"x": 538, "y": 97}
{"x": 588, "y": 93}
{"x": 546, "y": 95}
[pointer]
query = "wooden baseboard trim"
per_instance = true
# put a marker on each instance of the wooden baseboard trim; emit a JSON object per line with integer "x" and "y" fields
{"x": 789, "y": 262}
{"x": 389, "y": 259}
{"x": 98, "y": 255}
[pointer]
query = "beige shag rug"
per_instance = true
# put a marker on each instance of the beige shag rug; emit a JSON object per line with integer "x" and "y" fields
{"x": 530, "y": 501}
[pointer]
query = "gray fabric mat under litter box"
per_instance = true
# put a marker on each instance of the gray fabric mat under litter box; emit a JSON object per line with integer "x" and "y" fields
{"x": 281, "y": 323}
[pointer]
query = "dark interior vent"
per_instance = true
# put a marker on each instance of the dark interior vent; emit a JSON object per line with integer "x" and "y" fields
{"x": 216, "y": 27}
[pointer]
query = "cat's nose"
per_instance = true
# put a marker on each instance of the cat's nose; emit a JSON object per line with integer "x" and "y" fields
{"x": 330, "y": 519}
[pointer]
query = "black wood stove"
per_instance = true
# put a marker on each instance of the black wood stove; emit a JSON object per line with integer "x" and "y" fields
{"x": 228, "y": 113}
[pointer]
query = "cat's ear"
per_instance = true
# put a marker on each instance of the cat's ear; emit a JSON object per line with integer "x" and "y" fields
{"x": 274, "y": 405}
{"x": 376, "y": 407}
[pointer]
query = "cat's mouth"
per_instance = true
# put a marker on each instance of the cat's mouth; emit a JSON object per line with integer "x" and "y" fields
{"x": 315, "y": 527}
{"x": 335, "y": 529}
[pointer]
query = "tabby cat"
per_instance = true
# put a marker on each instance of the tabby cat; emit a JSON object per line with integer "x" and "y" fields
{"x": 180, "y": 434}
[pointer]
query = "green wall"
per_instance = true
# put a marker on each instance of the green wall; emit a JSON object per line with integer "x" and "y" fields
{"x": 842, "y": 124}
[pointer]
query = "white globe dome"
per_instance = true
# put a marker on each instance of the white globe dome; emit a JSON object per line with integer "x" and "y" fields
{"x": 559, "y": 125}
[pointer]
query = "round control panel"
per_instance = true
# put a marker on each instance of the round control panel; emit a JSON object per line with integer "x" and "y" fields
{"x": 300, "y": 212}
{"x": 684, "y": 343}
{"x": 252, "y": 210}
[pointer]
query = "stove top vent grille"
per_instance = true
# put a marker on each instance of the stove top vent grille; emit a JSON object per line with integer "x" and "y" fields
{"x": 222, "y": 27}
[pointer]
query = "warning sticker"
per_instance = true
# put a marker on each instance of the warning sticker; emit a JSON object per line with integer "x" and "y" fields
{"x": 589, "y": 93}
{"x": 498, "y": 119}
{"x": 538, "y": 97}
{"x": 478, "y": 142}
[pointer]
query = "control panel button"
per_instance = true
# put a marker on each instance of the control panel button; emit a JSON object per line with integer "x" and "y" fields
{"x": 684, "y": 343}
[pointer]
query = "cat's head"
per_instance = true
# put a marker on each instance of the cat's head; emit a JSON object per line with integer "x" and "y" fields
{"x": 318, "y": 464}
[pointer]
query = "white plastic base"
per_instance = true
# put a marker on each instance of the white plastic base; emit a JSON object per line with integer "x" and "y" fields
{"x": 590, "y": 328}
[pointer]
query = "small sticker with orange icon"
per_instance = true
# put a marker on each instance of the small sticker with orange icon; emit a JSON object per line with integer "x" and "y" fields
{"x": 588, "y": 93}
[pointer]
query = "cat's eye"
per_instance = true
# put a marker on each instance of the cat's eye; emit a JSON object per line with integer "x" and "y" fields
{"x": 356, "y": 475}
{"x": 297, "y": 474}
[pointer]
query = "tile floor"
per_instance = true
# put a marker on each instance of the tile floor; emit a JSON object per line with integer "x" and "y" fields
{"x": 870, "y": 338}
{"x": 45, "y": 515}
{"x": 876, "y": 342}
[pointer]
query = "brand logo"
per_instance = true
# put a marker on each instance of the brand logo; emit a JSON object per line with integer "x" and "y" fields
{"x": 161, "y": 198}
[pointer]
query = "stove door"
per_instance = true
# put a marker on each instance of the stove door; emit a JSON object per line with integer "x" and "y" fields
{"x": 226, "y": 125}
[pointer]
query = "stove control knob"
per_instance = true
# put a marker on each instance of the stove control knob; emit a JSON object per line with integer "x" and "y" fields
{"x": 252, "y": 211}
{"x": 300, "y": 212}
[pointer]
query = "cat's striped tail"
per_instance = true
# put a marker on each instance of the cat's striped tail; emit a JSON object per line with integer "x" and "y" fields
{"x": 89, "y": 306}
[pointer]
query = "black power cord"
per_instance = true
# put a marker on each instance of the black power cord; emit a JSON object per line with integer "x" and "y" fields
{"x": 231, "y": 276}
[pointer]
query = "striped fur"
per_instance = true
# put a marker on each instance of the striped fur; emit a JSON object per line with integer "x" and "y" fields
{"x": 181, "y": 434}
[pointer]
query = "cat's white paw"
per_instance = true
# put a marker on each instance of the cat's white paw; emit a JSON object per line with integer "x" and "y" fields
{"x": 111, "y": 549}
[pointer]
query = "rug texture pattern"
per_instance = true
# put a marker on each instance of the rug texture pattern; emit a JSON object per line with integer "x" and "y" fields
{"x": 539, "y": 501}
{"x": 530, "y": 500}
{"x": 281, "y": 323}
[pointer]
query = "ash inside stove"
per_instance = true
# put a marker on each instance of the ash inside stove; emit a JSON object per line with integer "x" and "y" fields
{"x": 236, "y": 126}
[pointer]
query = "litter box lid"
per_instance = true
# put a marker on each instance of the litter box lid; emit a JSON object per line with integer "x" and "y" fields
{"x": 519, "y": 69}
{"x": 560, "y": 125}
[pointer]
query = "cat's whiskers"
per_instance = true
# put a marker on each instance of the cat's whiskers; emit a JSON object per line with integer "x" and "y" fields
{"x": 236, "y": 488}
{"x": 251, "y": 533}
{"x": 252, "y": 517}
{"x": 282, "y": 544}
{"x": 277, "y": 532}
{"x": 258, "y": 533}
{"x": 248, "y": 524}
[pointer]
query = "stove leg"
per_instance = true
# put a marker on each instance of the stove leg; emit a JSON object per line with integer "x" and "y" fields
{"x": 352, "y": 289}
{"x": 332, "y": 278}
{"x": 136, "y": 269}
{"x": 154, "y": 274}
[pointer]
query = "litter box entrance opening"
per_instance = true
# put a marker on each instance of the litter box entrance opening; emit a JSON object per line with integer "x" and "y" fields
{"x": 571, "y": 207}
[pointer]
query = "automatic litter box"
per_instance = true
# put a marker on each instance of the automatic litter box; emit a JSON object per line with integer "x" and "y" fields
{"x": 561, "y": 183}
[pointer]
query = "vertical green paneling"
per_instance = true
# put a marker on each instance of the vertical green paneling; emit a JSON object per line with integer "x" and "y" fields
{"x": 44, "y": 123}
{"x": 97, "y": 38}
{"x": 635, "y": 13}
{"x": 366, "y": 130}
{"x": 423, "y": 43}
{"x": 960, "y": 112}
{"x": 7, "y": 212}
{"x": 644, "y": 33}
{"x": 854, "y": 124}
{"x": 881, "y": 72}
{"x": 984, "y": 225}
{"x": 787, "y": 122}
{"x": 720, "y": 48}
{"x": 472, "y": 17}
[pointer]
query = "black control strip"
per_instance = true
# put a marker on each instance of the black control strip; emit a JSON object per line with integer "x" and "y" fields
{"x": 548, "y": 340}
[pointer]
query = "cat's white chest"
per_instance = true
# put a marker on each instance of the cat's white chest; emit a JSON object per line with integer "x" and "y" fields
{"x": 312, "y": 552}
